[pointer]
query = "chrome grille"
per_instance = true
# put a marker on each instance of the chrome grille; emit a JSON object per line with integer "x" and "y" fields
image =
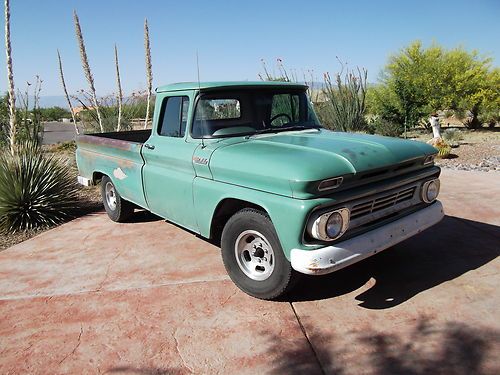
{"x": 382, "y": 202}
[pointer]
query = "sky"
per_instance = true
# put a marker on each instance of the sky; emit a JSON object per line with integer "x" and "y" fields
{"x": 232, "y": 37}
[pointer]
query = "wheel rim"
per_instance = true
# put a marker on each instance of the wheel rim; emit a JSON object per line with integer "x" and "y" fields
{"x": 110, "y": 196}
{"x": 254, "y": 255}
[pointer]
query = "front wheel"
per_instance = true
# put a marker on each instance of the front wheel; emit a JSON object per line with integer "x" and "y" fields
{"x": 117, "y": 208}
{"x": 253, "y": 256}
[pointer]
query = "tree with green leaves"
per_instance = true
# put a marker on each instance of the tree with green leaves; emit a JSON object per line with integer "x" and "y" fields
{"x": 54, "y": 113}
{"x": 418, "y": 81}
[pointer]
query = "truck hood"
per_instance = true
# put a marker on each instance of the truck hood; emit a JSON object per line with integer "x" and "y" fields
{"x": 290, "y": 163}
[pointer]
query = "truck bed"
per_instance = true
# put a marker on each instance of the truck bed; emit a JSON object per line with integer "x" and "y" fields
{"x": 137, "y": 136}
{"x": 115, "y": 154}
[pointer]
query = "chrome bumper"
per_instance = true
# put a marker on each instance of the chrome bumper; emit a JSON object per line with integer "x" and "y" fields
{"x": 332, "y": 258}
{"x": 84, "y": 181}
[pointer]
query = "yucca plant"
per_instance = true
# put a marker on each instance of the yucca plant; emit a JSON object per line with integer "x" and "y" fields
{"x": 86, "y": 68}
{"x": 149, "y": 70}
{"x": 68, "y": 100}
{"x": 36, "y": 190}
{"x": 10, "y": 79}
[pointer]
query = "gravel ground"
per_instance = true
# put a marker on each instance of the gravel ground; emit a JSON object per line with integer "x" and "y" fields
{"x": 475, "y": 150}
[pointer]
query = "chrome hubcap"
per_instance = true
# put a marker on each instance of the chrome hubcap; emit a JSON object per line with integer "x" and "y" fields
{"x": 110, "y": 196}
{"x": 254, "y": 255}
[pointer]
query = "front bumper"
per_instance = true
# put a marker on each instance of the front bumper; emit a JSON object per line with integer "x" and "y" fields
{"x": 332, "y": 258}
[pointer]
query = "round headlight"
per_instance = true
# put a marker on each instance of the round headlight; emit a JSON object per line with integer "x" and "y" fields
{"x": 430, "y": 191}
{"x": 334, "y": 225}
{"x": 330, "y": 225}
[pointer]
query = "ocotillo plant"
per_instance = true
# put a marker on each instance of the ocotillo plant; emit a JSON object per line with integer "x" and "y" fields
{"x": 120, "y": 92}
{"x": 29, "y": 128}
{"x": 149, "y": 71}
{"x": 86, "y": 68}
{"x": 10, "y": 77}
{"x": 346, "y": 99}
{"x": 63, "y": 82}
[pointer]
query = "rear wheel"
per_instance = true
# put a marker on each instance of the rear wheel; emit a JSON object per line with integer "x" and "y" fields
{"x": 117, "y": 208}
{"x": 253, "y": 256}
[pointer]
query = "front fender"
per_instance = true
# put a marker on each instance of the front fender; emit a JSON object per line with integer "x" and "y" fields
{"x": 287, "y": 214}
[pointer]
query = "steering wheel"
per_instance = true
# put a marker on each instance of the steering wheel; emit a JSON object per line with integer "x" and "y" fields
{"x": 280, "y": 115}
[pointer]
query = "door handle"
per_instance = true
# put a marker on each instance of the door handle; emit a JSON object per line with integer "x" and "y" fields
{"x": 148, "y": 146}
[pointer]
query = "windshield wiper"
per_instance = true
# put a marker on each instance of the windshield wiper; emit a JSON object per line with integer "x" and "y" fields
{"x": 286, "y": 128}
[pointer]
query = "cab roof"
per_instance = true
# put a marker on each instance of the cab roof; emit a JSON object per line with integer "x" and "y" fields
{"x": 181, "y": 86}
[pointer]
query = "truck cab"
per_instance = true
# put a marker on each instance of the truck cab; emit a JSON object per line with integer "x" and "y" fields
{"x": 248, "y": 165}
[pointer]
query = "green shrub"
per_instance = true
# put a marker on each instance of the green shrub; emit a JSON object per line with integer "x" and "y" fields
{"x": 36, "y": 190}
{"x": 452, "y": 135}
{"x": 490, "y": 116}
{"x": 384, "y": 127}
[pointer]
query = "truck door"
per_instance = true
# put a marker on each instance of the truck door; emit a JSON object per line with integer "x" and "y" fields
{"x": 168, "y": 171}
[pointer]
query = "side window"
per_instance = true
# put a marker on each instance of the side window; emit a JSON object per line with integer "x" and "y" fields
{"x": 173, "y": 116}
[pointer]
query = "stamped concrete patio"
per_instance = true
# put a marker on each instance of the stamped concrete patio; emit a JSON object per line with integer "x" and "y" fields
{"x": 145, "y": 297}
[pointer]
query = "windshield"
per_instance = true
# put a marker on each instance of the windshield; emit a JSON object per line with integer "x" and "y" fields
{"x": 251, "y": 111}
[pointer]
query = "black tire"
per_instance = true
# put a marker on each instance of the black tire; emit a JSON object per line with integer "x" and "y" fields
{"x": 240, "y": 229}
{"x": 119, "y": 211}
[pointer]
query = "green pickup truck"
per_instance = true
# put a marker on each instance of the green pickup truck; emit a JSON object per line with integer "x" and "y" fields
{"x": 248, "y": 166}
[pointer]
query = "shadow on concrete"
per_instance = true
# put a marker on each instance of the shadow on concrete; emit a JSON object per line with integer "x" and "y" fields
{"x": 142, "y": 216}
{"x": 452, "y": 348}
{"x": 441, "y": 253}
{"x": 146, "y": 370}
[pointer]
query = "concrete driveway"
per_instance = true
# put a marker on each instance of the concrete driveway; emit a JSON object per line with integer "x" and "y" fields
{"x": 146, "y": 297}
{"x": 57, "y": 132}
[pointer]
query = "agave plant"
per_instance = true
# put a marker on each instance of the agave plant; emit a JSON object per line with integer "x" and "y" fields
{"x": 36, "y": 190}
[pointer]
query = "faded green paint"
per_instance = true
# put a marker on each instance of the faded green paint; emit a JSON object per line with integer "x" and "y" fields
{"x": 186, "y": 179}
{"x": 168, "y": 171}
{"x": 287, "y": 214}
{"x": 286, "y": 164}
{"x": 113, "y": 161}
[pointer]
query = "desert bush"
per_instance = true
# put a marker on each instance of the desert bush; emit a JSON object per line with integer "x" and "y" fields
{"x": 36, "y": 189}
{"x": 29, "y": 128}
{"x": 490, "y": 115}
{"x": 452, "y": 135}
{"x": 448, "y": 113}
{"x": 133, "y": 108}
{"x": 382, "y": 126}
{"x": 69, "y": 146}
{"x": 346, "y": 95}
{"x": 54, "y": 113}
